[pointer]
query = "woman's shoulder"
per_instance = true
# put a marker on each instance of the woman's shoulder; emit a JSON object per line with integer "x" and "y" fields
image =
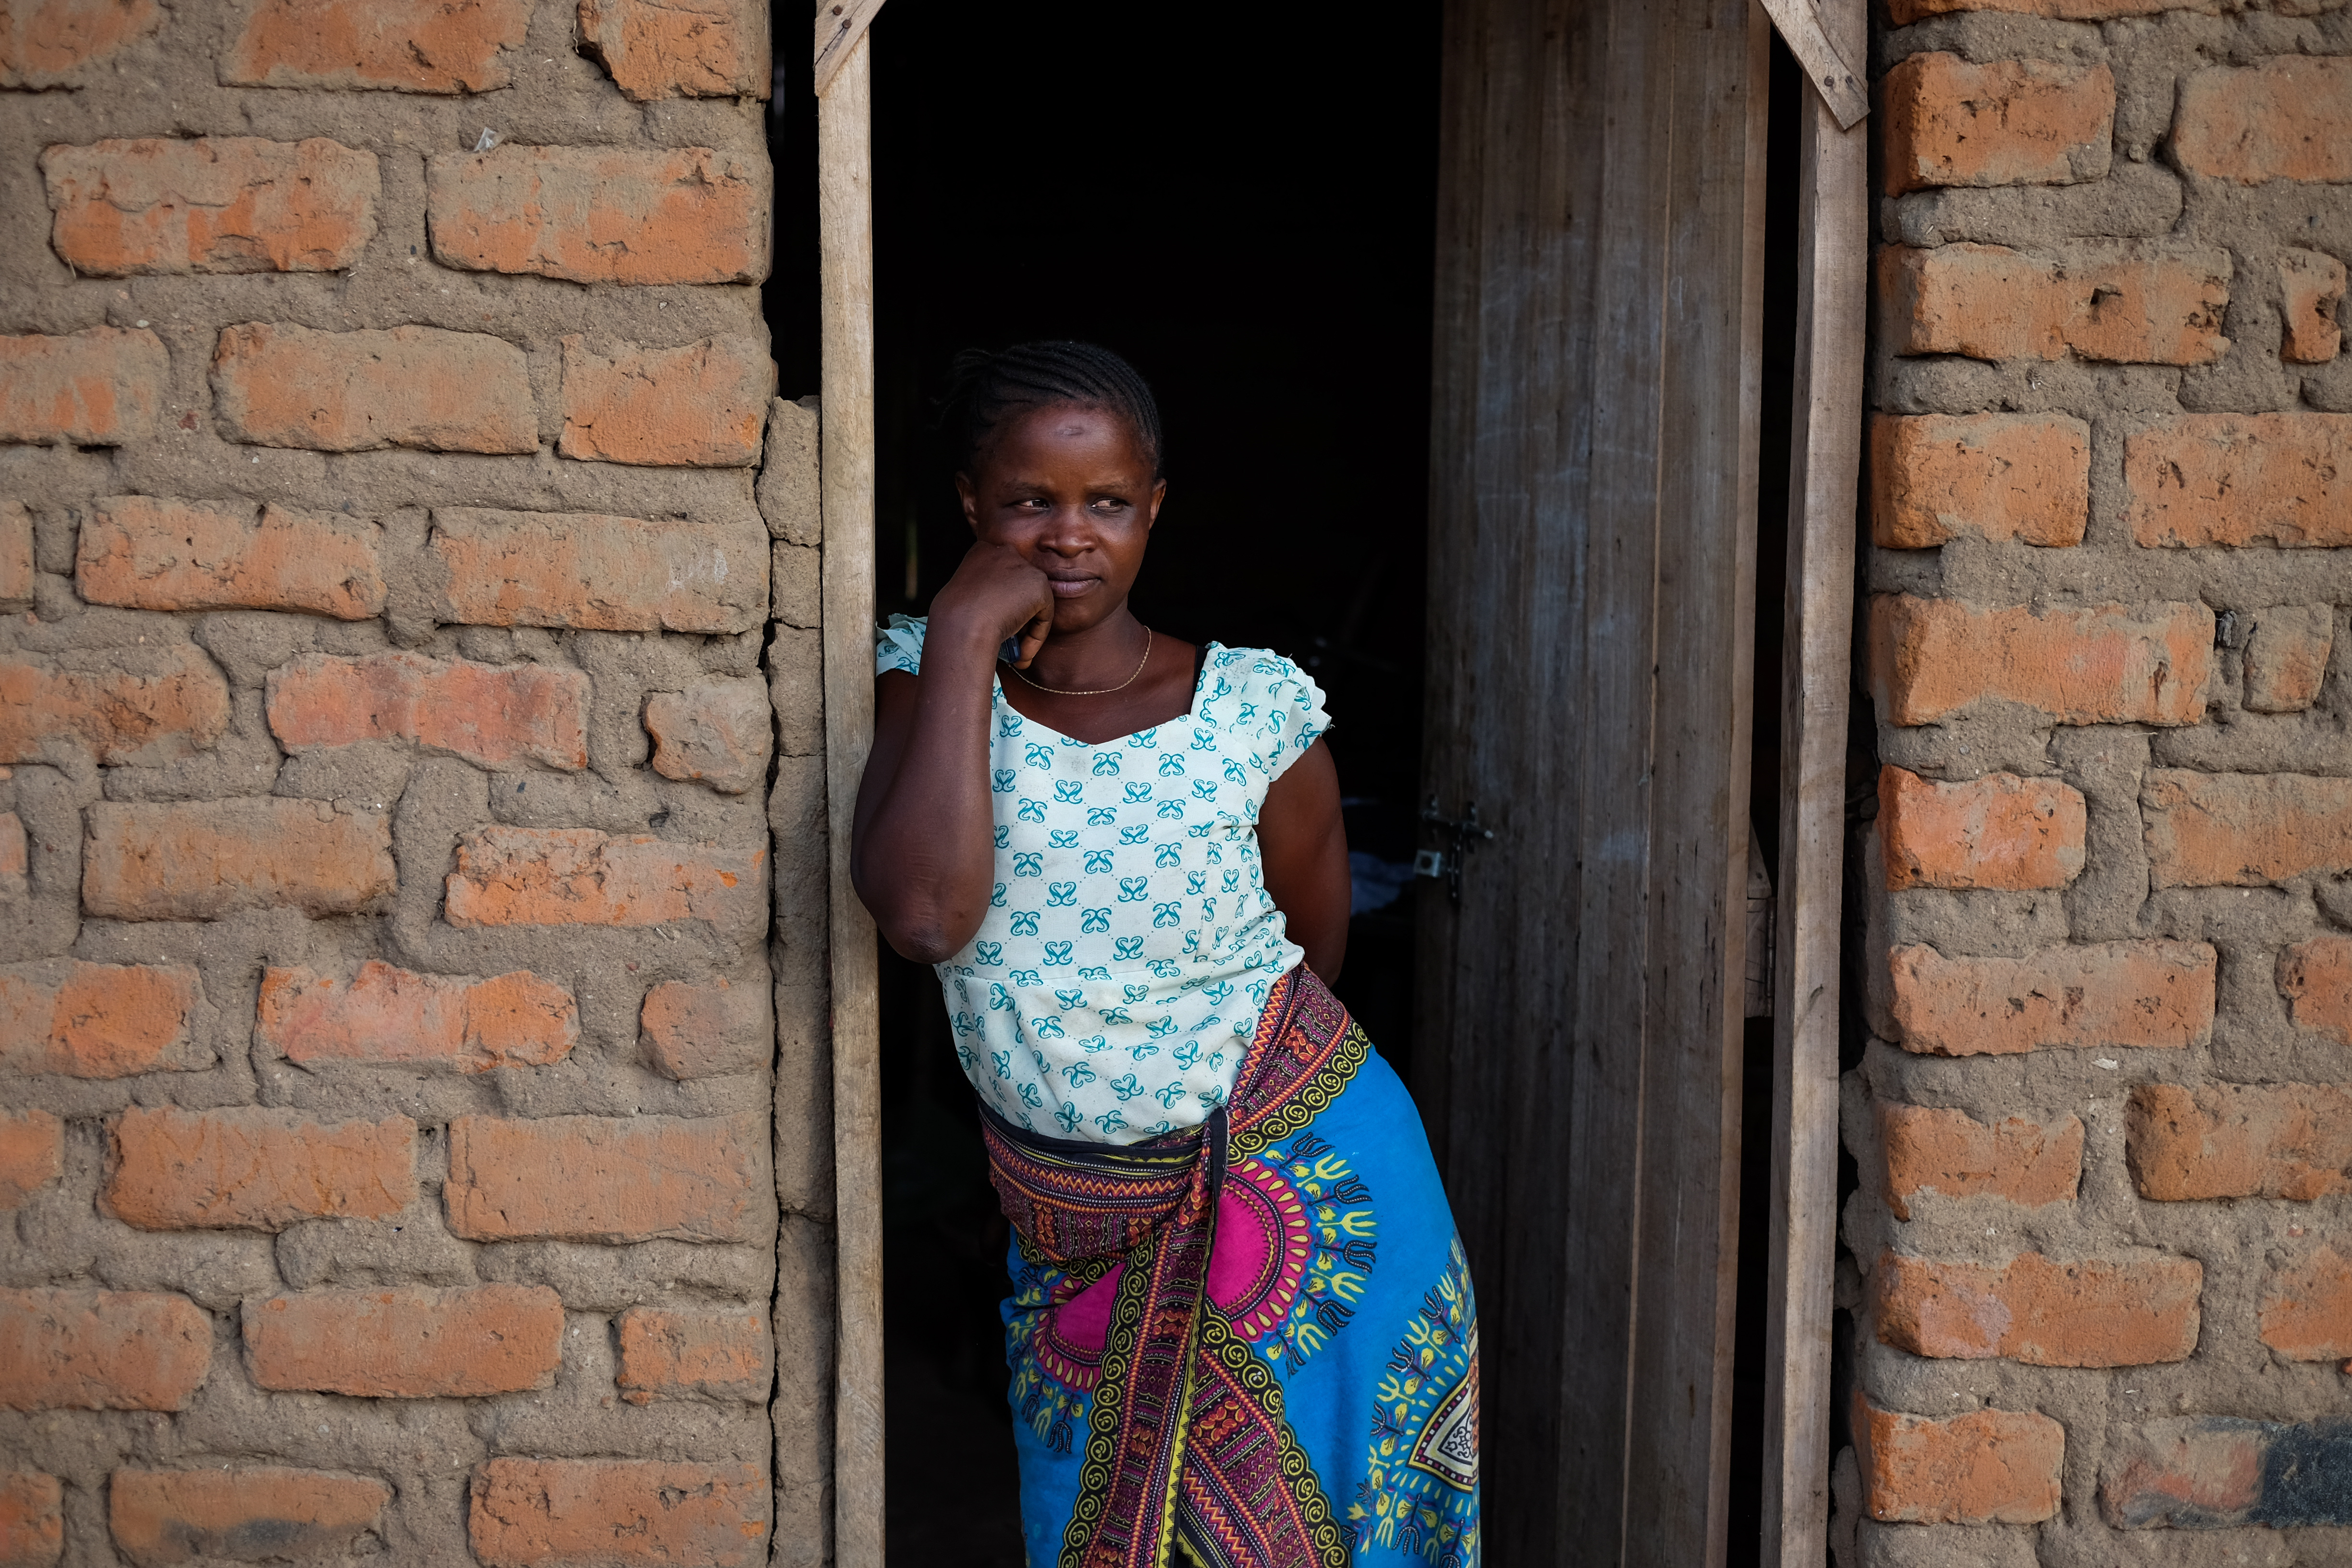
{"x": 1259, "y": 692}
{"x": 1258, "y": 667}
{"x": 898, "y": 645}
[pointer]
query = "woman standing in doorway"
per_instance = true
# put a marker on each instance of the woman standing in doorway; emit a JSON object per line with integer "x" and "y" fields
{"x": 1241, "y": 1322}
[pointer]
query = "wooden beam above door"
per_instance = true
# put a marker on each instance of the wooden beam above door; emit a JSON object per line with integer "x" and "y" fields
{"x": 839, "y": 24}
{"x": 1826, "y": 66}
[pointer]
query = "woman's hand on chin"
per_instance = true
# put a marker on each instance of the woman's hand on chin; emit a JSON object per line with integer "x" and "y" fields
{"x": 994, "y": 595}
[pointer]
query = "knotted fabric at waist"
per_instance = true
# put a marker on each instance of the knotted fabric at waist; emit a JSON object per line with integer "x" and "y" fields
{"x": 1072, "y": 1200}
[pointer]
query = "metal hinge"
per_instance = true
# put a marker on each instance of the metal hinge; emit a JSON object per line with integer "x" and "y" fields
{"x": 1467, "y": 834}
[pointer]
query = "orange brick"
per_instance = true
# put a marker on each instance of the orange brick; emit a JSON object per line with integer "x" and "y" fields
{"x": 99, "y": 387}
{"x": 1903, "y": 13}
{"x": 2040, "y": 1312}
{"x": 409, "y": 1342}
{"x": 255, "y": 1169}
{"x": 2289, "y": 118}
{"x": 2007, "y": 122}
{"x": 590, "y": 571}
{"x": 32, "y": 1153}
{"x": 2105, "y": 664}
{"x": 148, "y": 555}
{"x": 702, "y": 1031}
{"x": 2241, "y": 479}
{"x": 210, "y": 858}
{"x": 163, "y": 1516}
{"x": 15, "y": 855}
{"x": 667, "y": 1355}
{"x": 721, "y": 731}
{"x": 2311, "y": 286}
{"x": 703, "y": 404}
{"x": 2119, "y": 302}
{"x": 1948, "y": 1154}
{"x": 577, "y": 876}
{"x": 2244, "y": 830}
{"x": 2240, "y": 1141}
{"x": 1999, "y": 831}
{"x": 277, "y": 385}
{"x": 615, "y": 1513}
{"x": 32, "y": 1520}
{"x": 1986, "y": 1466}
{"x": 491, "y": 715}
{"x": 17, "y": 573}
{"x": 679, "y": 49}
{"x": 406, "y": 45}
{"x": 601, "y": 214}
{"x": 592, "y": 1178}
{"x": 211, "y": 203}
{"x": 47, "y": 43}
{"x": 100, "y": 1350}
{"x": 2307, "y": 1313}
{"x": 2203, "y": 1472}
{"x": 158, "y": 704}
{"x": 2113, "y": 995}
{"x": 2286, "y": 657}
{"x": 387, "y": 1015}
{"x": 2316, "y": 975}
{"x": 1936, "y": 477}
{"x": 98, "y": 1020}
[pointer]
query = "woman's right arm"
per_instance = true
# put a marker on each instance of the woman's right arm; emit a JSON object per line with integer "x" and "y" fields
{"x": 922, "y": 849}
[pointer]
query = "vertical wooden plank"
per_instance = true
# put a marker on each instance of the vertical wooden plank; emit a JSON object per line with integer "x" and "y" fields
{"x": 1717, "y": 55}
{"x": 1463, "y": 1088}
{"x": 846, "y": 262}
{"x": 1625, "y": 76}
{"x": 1507, "y": 574}
{"x": 1823, "y": 474}
{"x": 1452, "y": 316}
{"x": 1590, "y": 575}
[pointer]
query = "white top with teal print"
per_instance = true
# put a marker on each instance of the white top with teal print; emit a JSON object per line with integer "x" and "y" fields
{"x": 1114, "y": 987}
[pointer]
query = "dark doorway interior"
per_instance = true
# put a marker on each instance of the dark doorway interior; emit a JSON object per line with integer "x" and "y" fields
{"x": 1247, "y": 214}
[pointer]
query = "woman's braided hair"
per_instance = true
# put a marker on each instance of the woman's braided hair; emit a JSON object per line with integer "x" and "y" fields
{"x": 984, "y": 388}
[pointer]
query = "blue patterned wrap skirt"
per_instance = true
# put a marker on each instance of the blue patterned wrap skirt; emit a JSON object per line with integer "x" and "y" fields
{"x": 1252, "y": 1345}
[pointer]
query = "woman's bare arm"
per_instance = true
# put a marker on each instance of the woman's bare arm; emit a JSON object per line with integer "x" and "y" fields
{"x": 922, "y": 849}
{"x": 1305, "y": 846}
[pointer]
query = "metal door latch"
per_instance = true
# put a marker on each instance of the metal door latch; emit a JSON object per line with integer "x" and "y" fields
{"x": 1447, "y": 863}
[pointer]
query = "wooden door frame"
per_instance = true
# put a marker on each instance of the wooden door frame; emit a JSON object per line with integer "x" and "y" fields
{"x": 1825, "y": 462}
{"x": 847, "y": 467}
{"x": 1824, "y": 478}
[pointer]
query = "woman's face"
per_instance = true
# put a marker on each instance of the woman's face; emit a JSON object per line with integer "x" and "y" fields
{"x": 1071, "y": 490}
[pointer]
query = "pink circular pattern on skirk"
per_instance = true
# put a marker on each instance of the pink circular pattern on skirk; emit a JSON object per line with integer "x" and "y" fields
{"x": 1255, "y": 1268}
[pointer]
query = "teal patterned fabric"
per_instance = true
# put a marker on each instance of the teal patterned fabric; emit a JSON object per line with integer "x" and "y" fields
{"x": 1130, "y": 940}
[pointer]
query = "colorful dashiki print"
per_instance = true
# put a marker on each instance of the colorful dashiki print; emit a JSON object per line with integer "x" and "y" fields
{"x": 1253, "y": 1344}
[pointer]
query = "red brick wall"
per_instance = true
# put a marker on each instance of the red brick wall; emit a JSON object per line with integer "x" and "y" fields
{"x": 388, "y": 987}
{"x": 2103, "y": 1124}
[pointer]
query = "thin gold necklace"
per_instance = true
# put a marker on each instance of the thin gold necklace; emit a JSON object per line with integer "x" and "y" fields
{"x": 1097, "y": 691}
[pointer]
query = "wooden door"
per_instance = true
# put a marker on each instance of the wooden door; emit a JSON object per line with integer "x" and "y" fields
{"x": 1592, "y": 568}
